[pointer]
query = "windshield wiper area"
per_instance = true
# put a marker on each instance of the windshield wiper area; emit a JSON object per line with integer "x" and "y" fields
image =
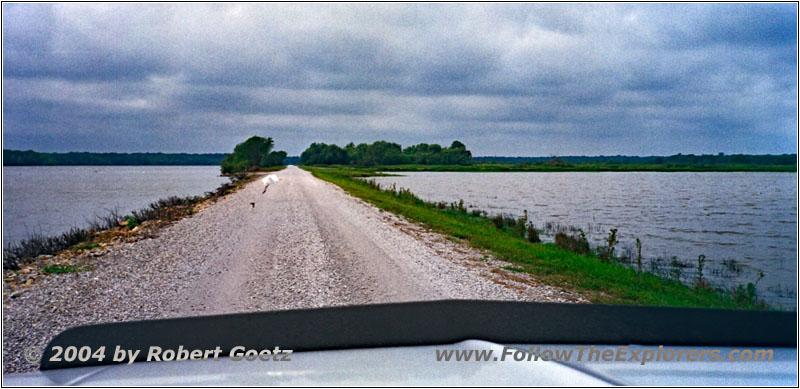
{"x": 432, "y": 323}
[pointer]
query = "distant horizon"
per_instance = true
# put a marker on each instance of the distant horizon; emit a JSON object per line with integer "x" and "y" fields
{"x": 474, "y": 156}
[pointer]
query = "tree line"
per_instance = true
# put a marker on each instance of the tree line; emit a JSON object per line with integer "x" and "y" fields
{"x": 33, "y": 158}
{"x": 257, "y": 151}
{"x": 676, "y": 159}
{"x": 386, "y": 153}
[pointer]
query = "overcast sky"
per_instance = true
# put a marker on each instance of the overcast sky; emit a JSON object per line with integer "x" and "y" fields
{"x": 506, "y": 79}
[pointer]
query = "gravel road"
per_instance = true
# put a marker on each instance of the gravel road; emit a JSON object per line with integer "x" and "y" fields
{"x": 306, "y": 243}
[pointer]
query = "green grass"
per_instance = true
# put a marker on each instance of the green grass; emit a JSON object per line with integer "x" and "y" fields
{"x": 131, "y": 222}
{"x": 86, "y": 246}
{"x": 598, "y": 281}
{"x": 269, "y": 169}
{"x": 587, "y": 167}
{"x": 61, "y": 269}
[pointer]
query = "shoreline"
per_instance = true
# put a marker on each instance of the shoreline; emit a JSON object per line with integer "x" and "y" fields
{"x": 113, "y": 228}
{"x": 729, "y": 272}
{"x": 606, "y": 281}
{"x": 168, "y": 209}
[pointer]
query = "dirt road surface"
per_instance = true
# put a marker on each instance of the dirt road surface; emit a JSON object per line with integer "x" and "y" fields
{"x": 306, "y": 243}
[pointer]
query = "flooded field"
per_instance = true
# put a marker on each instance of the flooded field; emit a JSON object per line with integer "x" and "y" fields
{"x": 743, "y": 223}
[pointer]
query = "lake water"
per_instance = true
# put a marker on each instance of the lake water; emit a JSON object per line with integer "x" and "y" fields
{"x": 51, "y": 199}
{"x": 747, "y": 217}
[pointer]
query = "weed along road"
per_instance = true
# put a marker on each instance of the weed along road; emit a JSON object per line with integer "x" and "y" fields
{"x": 302, "y": 243}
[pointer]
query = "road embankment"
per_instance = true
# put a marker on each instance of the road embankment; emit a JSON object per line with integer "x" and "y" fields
{"x": 303, "y": 243}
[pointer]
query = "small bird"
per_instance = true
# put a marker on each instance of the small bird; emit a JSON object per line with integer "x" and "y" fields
{"x": 267, "y": 180}
{"x": 253, "y": 205}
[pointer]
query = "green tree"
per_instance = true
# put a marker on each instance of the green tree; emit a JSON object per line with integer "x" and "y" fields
{"x": 274, "y": 158}
{"x": 386, "y": 153}
{"x": 457, "y": 154}
{"x": 255, "y": 151}
{"x": 324, "y": 154}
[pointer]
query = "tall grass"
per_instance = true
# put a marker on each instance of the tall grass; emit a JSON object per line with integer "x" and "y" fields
{"x": 39, "y": 244}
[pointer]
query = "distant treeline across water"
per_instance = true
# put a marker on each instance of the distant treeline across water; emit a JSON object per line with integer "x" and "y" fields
{"x": 33, "y": 158}
{"x": 681, "y": 159}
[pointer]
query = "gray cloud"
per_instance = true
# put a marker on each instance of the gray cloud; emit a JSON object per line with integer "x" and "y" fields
{"x": 507, "y": 79}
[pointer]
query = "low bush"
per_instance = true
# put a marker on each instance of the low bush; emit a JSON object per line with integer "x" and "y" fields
{"x": 578, "y": 245}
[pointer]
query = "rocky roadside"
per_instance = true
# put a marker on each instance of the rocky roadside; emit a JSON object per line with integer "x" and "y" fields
{"x": 51, "y": 293}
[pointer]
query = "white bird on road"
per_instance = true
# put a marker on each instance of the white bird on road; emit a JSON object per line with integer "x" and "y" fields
{"x": 267, "y": 180}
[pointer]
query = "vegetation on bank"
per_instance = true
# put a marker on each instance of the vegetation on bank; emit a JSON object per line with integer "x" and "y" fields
{"x": 106, "y": 227}
{"x": 570, "y": 263}
{"x": 251, "y": 155}
{"x": 33, "y": 158}
{"x": 386, "y": 153}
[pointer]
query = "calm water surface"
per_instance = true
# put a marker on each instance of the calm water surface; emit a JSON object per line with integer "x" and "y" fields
{"x": 51, "y": 199}
{"x": 747, "y": 217}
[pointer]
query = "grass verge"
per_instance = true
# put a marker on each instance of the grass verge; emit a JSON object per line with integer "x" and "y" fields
{"x": 62, "y": 269}
{"x": 599, "y": 281}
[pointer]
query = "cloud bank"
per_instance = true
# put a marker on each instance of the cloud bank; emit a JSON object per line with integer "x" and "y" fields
{"x": 506, "y": 79}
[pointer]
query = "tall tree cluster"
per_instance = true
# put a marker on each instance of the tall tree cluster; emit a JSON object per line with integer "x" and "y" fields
{"x": 386, "y": 153}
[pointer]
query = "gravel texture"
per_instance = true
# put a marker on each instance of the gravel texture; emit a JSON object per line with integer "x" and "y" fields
{"x": 306, "y": 243}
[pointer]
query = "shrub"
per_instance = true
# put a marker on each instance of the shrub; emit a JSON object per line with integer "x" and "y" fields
{"x": 521, "y": 225}
{"x": 701, "y": 260}
{"x": 747, "y": 294}
{"x": 608, "y": 254}
{"x": 676, "y": 268}
{"x": 574, "y": 244}
{"x": 533, "y": 235}
{"x": 130, "y": 221}
{"x": 498, "y": 221}
{"x": 107, "y": 222}
{"x": 38, "y": 244}
{"x": 639, "y": 254}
